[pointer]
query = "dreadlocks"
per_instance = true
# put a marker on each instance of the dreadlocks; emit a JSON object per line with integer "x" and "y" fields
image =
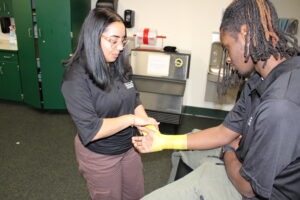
{"x": 264, "y": 37}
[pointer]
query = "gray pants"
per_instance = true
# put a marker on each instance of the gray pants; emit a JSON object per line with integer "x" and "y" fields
{"x": 208, "y": 181}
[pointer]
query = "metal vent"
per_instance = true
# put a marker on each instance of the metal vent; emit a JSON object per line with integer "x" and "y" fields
{"x": 164, "y": 117}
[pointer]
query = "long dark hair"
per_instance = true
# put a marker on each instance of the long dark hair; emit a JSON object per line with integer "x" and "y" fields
{"x": 89, "y": 52}
{"x": 264, "y": 36}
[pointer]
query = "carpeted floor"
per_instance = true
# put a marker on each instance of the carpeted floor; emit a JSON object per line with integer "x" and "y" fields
{"x": 37, "y": 160}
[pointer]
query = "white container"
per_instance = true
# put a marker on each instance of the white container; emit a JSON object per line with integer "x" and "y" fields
{"x": 146, "y": 36}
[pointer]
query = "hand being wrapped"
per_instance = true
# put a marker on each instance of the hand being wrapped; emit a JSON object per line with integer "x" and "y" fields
{"x": 153, "y": 140}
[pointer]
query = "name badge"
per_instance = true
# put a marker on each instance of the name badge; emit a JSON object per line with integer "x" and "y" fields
{"x": 129, "y": 85}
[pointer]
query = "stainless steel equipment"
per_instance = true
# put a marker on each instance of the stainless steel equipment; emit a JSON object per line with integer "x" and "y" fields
{"x": 214, "y": 75}
{"x": 160, "y": 78}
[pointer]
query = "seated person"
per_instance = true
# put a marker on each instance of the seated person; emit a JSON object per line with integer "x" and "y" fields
{"x": 261, "y": 133}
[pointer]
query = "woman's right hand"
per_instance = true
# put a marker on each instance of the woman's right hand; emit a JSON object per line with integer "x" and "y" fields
{"x": 140, "y": 121}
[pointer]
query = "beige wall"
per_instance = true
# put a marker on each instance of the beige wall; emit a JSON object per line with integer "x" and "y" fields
{"x": 189, "y": 25}
{"x": 288, "y": 9}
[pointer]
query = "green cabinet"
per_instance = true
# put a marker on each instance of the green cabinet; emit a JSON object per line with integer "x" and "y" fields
{"x": 10, "y": 84}
{"x": 46, "y": 31}
{"x": 6, "y": 8}
{"x": 26, "y": 51}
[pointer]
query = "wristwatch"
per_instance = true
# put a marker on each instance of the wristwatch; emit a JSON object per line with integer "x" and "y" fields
{"x": 224, "y": 149}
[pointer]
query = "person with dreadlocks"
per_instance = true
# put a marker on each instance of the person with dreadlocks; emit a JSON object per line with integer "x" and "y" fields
{"x": 260, "y": 135}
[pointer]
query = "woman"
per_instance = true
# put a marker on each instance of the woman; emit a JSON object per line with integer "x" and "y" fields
{"x": 105, "y": 107}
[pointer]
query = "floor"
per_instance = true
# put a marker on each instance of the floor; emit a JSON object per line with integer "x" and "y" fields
{"x": 37, "y": 160}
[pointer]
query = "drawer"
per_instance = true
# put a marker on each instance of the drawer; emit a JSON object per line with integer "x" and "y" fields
{"x": 8, "y": 57}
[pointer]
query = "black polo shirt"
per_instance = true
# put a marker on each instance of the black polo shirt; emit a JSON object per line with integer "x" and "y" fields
{"x": 88, "y": 105}
{"x": 268, "y": 116}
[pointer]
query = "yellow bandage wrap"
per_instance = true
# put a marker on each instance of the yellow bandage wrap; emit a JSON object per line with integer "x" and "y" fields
{"x": 162, "y": 141}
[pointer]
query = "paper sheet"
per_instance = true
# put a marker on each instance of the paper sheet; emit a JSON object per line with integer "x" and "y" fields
{"x": 158, "y": 65}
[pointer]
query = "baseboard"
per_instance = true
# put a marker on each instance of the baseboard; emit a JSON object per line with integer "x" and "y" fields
{"x": 204, "y": 112}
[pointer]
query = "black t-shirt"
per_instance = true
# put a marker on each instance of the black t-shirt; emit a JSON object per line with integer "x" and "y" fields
{"x": 268, "y": 116}
{"x": 88, "y": 105}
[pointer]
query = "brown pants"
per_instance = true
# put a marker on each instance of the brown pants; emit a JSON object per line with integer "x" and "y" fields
{"x": 117, "y": 177}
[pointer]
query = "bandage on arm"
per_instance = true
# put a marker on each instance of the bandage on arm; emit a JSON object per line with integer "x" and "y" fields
{"x": 162, "y": 141}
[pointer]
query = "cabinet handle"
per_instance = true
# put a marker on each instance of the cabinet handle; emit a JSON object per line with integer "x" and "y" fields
{"x": 4, "y": 7}
{"x": 1, "y": 71}
{"x": 29, "y": 32}
{"x": 7, "y": 57}
{"x": 40, "y": 33}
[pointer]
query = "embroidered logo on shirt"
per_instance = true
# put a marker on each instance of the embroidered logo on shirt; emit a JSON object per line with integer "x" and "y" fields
{"x": 249, "y": 121}
{"x": 129, "y": 85}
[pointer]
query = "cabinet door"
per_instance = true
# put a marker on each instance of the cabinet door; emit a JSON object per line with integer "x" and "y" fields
{"x": 54, "y": 28}
{"x": 2, "y": 8}
{"x": 26, "y": 52}
{"x": 6, "y": 8}
{"x": 79, "y": 10}
{"x": 10, "y": 86}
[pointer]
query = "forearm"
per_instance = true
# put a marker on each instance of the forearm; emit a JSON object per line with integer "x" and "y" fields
{"x": 211, "y": 138}
{"x": 233, "y": 166}
{"x": 140, "y": 111}
{"x": 205, "y": 139}
{"x": 111, "y": 126}
{"x": 163, "y": 141}
{"x": 178, "y": 142}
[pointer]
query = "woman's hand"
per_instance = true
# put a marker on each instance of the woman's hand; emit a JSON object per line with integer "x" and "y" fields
{"x": 142, "y": 129}
{"x": 140, "y": 121}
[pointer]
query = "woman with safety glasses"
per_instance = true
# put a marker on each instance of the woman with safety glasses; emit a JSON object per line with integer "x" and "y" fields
{"x": 106, "y": 109}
